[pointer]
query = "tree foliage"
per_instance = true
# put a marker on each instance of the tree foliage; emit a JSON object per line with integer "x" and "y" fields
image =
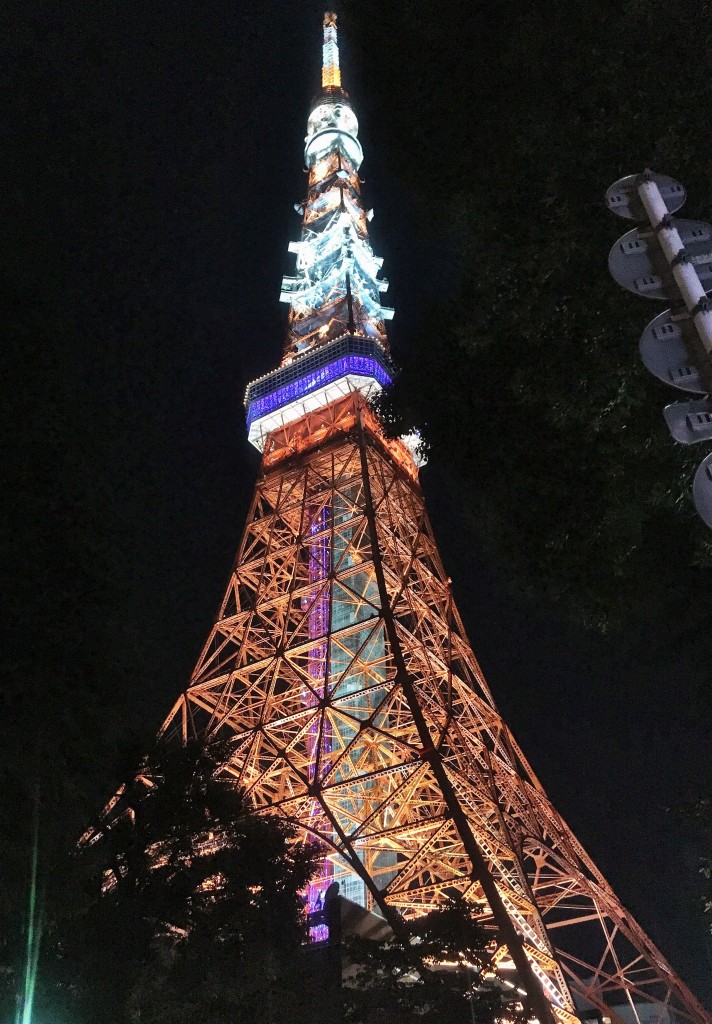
{"x": 515, "y": 120}
{"x": 702, "y": 813}
{"x": 204, "y": 921}
{"x": 406, "y": 979}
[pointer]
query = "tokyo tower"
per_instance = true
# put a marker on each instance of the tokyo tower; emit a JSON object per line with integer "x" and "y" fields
{"x": 338, "y": 668}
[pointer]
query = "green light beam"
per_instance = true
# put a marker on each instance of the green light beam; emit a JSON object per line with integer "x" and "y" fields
{"x": 35, "y": 917}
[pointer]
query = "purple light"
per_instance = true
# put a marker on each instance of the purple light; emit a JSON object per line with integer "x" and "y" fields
{"x": 363, "y": 365}
{"x": 319, "y": 548}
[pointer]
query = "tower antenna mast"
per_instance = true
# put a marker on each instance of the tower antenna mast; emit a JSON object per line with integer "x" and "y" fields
{"x": 330, "y": 70}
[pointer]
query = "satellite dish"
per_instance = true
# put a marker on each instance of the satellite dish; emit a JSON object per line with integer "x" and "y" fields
{"x": 622, "y": 197}
{"x": 690, "y": 422}
{"x": 702, "y": 490}
{"x": 635, "y": 259}
{"x": 665, "y": 353}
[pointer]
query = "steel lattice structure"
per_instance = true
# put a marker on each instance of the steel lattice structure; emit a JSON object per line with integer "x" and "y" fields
{"x": 323, "y": 728}
{"x": 338, "y": 667}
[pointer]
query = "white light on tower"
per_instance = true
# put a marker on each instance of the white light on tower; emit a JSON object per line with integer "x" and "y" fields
{"x": 330, "y": 73}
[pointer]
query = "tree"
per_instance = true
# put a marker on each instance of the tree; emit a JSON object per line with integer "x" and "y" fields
{"x": 516, "y": 121}
{"x": 702, "y": 813}
{"x": 440, "y": 973}
{"x": 202, "y": 918}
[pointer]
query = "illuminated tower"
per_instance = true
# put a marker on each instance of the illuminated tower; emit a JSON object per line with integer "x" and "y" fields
{"x": 338, "y": 667}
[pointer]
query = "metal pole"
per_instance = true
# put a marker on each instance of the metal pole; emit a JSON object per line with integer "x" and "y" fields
{"x": 684, "y": 272}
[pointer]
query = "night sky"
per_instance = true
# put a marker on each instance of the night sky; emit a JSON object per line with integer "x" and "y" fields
{"x": 152, "y": 156}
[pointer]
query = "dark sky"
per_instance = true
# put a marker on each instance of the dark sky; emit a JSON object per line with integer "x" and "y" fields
{"x": 152, "y": 154}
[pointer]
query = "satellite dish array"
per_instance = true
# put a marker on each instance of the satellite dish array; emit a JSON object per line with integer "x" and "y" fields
{"x": 671, "y": 260}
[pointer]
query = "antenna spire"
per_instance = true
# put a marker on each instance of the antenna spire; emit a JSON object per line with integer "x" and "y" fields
{"x": 330, "y": 71}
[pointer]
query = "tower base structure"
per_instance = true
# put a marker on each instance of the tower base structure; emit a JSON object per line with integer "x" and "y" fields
{"x": 340, "y": 673}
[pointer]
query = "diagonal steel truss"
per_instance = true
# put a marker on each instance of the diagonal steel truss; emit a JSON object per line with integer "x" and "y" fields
{"x": 340, "y": 671}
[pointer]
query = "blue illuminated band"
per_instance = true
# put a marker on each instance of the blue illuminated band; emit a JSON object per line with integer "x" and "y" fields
{"x": 364, "y": 366}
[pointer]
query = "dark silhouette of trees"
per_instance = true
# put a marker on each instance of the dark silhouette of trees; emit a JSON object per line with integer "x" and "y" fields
{"x": 526, "y": 380}
{"x": 703, "y": 816}
{"x": 440, "y": 974}
{"x": 202, "y": 919}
